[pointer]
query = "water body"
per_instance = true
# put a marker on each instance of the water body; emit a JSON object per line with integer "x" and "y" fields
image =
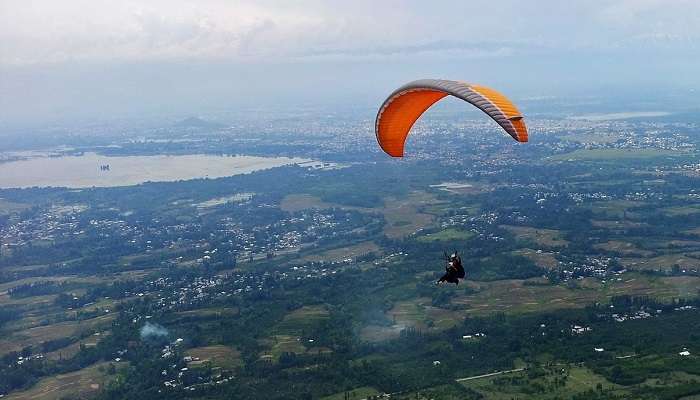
{"x": 84, "y": 171}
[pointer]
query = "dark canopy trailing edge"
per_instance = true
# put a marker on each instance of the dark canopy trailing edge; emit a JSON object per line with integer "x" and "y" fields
{"x": 403, "y": 107}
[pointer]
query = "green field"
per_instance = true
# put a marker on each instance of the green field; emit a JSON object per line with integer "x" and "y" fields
{"x": 544, "y": 237}
{"x": 682, "y": 210}
{"x": 446, "y": 235}
{"x": 302, "y": 319}
{"x": 561, "y": 382}
{"x": 354, "y": 394}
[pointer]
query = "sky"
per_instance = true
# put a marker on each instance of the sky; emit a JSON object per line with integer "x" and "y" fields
{"x": 94, "y": 59}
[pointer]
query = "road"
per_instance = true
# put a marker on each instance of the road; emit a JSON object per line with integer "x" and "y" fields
{"x": 469, "y": 378}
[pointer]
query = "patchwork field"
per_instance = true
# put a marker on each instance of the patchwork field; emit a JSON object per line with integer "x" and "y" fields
{"x": 623, "y": 248}
{"x": 343, "y": 253}
{"x": 446, "y": 235}
{"x": 71, "y": 350}
{"x": 217, "y": 312}
{"x": 521, "y": 296}
{"x": 84, "y": 383}
{"x": 558, "y": 383}
{"x": 38, "y": 335}
{"x": 617, "y": 225}
{"x": 302, "y": 319}
{"x": 618, "y": 210}
{"x": 298, "y": 202}
{"x": 541, "y": 258}
{"x": 681, "y": 211}
{"x": 354, "y": 394}
{"x": 544, "y": 237}
{"x": 280, "y": 344}
{"x": 218, "y": 356}
{"x": 515, "y": 296}
{"x": 403, "y": 216}
{"x": 663, "y": 262}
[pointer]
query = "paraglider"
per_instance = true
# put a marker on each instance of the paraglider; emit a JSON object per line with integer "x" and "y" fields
{"x": 406, "y": 104}
{"x": 454, "y": 271}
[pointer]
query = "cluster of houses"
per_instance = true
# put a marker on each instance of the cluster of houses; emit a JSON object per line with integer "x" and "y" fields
{"x": 54, "y": 223}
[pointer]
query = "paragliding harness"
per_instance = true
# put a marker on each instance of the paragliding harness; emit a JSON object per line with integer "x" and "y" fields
{"x": 454, "y": 271}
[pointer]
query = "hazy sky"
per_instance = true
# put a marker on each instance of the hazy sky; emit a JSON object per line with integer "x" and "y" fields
{"x": 100, "y": 59}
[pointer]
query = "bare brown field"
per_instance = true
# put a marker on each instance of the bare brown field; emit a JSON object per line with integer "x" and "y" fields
{"x": 543, "y": 259}
{"x": 30, "y": 302}
{"x": 32, "y": 318}
{"x": 209, "y": 312}
{"x": 298, "y": 202}
{"x": 83, "y": 383}
{"x": 615, "y": 209}
{"x": 344, "y": 252}
{"x": 403, "y": 216}
{"x": 65, "y": 353}
{"x": 71, "y": 350}
{"x": 279, "y": 344}
{"x": 133, "y": 274}
{"x": 218, "y": 356}
{"x": 663, "y": 262}
{"x": 617, "y": 224}
{"x": 543, "y": 237}
{"x": 622, "y": 247}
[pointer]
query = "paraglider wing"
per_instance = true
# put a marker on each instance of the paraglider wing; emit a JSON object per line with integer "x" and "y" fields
{"x": 403, "y": 107}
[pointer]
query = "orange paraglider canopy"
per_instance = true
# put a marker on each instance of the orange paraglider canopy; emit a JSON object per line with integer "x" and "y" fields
{"x": 403, "y": 107}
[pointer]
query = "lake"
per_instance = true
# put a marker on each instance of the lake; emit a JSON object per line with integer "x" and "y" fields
{"x": 85, "y": 170}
